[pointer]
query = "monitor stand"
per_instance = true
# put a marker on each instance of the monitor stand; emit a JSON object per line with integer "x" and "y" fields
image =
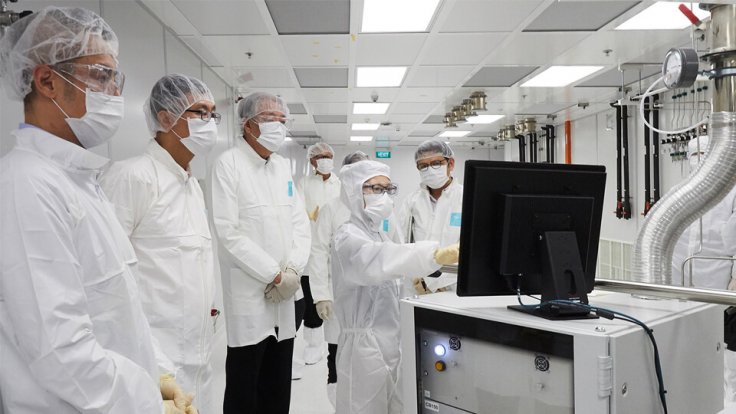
{"x": 562, "y": 275}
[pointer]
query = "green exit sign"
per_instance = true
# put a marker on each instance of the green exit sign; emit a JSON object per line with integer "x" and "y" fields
{"x": 383, "y": 154}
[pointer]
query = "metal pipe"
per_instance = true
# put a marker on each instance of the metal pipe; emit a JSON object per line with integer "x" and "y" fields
{"x": 552, "y": 143}
{"x": 655, "y": 156}
{"x": 625, "y": 149}
{"x": 522, "y": 147}
{"x": 723, "y": 297}
{"x": 619, "y": 189}
{"x": 647, "y": 160}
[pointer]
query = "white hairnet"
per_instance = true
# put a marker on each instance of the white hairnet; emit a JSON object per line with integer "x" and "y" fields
{"x": 174, "y": 94}
{"x": 354, "y": 157}
{"x": 433, "y": 148}
{"x": 258, "y": 102}
{"x": 319, "y": 148}
{"x": 692, "y": 145}
{"x": 47, "y": 37}
{"x": 352, "y": 177}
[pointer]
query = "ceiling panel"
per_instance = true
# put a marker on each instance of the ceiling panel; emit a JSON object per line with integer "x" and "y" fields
{"x": 325, "y": 94}
{"x": 413, "y": 107}
{"x": 223, "y": 17}
{"x": 330, "y": 119}
{"x": 432, "y": 76}
{"x": 233, "y": 50}
{"x": 498, "y": 76}
{"x": 296, "y": 108}
{"x": 536, "y": 48}
{"x": 570, "y": 16}
{"x": 461, "y": 49}
{"x": 613, "y": 77}
{"x": 195, "y": 43}
{"x": 334, "y": 108}
{"x": 367, "y": 94}
{"x": 435, "y": 119}
{"x": 544, "y": 108}
{"x": 409, "y": 119}
{"x": 172, "y": 16}
{"x": 388, "y": 49}
{"x": 488, "y": 16}
{"x": 322, "y": 77}
{"x": 335, "y": 132}
{"x": 326, "y": 50}
{"x": 310, "y": 17}
{"x": 424, "y": 132}
{"x": 435, "y": 95}
{"x": 262, "y": 77}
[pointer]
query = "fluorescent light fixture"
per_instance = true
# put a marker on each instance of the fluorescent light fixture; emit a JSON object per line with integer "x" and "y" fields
{"x": 380, "y": 77}
{"x": 369, "y": 108}
{"x": 288, "y": 139}
{"x": 558, "y": 76}
{"x": 361, "y": 138}
{"x": 365, "y": 127}
{"x": 454, "y": 134}
{"x": 662, "y": 15}
{"x": 484, "y": 119}
{"x": 392, "y": 16}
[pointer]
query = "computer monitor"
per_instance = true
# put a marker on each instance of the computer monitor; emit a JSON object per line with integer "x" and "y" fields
{"x": 533, "y": 229}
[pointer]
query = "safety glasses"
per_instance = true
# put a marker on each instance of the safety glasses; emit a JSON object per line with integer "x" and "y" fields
{"x": 379, "y": 189}
{"x": 97, "y": 77}
{"x": 207, "y": 116}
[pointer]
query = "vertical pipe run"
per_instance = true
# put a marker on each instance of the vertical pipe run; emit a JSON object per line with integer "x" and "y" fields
{"x": 647, "y": 158}
{"x": 619, "y": 189}
{"x": 522, "y": 147}
{"x": 553, "y": 136}
{"x": 655, "y": 155}
{"x": 625, "y": 150}
{"x": 568, "y": 142}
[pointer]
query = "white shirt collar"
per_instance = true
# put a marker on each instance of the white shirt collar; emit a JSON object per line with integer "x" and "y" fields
{"x": 158, "y": 153}
{"x": 60, "y": 151}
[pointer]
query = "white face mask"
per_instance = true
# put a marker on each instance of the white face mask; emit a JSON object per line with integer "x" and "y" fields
{"x": 325, "y": 165}
{"x": 434, "y": 178}
{"x": 102, "y": 120}
{"x": 202, "y": 136}
{"x": 378, "y": 207}
{"x": 272, "y": 135}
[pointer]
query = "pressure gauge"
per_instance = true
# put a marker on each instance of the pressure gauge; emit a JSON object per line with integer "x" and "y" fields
{"x": 680, "y": 68}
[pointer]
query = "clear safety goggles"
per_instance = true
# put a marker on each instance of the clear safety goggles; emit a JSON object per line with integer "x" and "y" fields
{"x": 97, "y": 77}
{"x": 379, "y": 189}
{"x": 263, "y": 118}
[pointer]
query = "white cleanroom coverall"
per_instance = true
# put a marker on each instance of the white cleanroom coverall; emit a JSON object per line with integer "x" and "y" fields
{"x": 366, "y": 267}
{"x": 423, "y": 218}
{"x": 262, "y": 228}
{"x": 161, "y": 209}
{"x": 73, "y": 335}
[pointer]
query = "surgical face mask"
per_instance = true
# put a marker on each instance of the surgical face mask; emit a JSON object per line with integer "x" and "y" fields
{"x": 103, "y": 117}
{"x": 325, "y": 165}
{"x": 202, "y": 136}
{"x": 434, "y": 178}
{"x": 378, "y": 207}
{"x": 272, "y": 135}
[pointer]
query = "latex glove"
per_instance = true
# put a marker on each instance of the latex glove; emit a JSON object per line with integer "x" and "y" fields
{"x": 324, "y": 309}
{"x": 170, "y": 408}
{"x": 732, "y": 284}
{"x": 419, "y": 286}
{"x": 170, "y": 390}
{"x": 447, "y": 255}
{"x": 285, "y": 289}
{"x": 313, "y": 215}
{"x": 191, "y": 410}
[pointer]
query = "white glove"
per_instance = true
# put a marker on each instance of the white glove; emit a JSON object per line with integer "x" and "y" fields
{"x": 324, "y": 309}
{"x": 285, "y": 289}
{"x": 419, "y": 287}
{"x": 170, "y": 408}
{"x": 171, "y": 391}
{"x": 447, "y": 255}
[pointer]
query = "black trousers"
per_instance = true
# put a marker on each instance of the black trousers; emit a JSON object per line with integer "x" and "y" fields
{"x": 311, "y": 318}
{"x": 331, "y": 367}
{"x": 258, "y": 377}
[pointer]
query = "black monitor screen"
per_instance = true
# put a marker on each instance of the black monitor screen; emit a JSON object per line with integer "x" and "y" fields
{"x": 508, "y": 207}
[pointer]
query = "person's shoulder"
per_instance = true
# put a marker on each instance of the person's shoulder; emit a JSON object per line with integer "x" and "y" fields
{"x": 136, "y": 169}
{"x": 24, "y": 171}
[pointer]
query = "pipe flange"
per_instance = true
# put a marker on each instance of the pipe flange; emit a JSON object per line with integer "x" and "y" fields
{"x": 719, "y": 72}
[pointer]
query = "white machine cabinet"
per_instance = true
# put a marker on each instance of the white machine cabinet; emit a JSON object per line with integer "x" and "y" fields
{"x": 472, "y": 355}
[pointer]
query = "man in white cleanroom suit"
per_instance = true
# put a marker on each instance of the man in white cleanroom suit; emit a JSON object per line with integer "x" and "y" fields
{"x": 264, "y": 237}
{"x": 719, "y": 240}
{"x": 434, "y": 210}
{"x": 161, "y": 208}
{"x": 73, "y": 334}
{"x": 366, "y": 268}
{"x": 335, "y": 213}
{"x": 317, "y": 189}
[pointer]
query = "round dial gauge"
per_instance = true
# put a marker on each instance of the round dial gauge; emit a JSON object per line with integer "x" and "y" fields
{"x": 680, "y": 68}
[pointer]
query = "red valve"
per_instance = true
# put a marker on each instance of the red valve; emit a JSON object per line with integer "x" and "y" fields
{"x": 689, "y": 14}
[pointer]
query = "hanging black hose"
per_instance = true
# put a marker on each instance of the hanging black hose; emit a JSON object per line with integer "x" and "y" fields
{"x": 655, "y": 158}
{"x": 647, "y": 157}
{"x": 551, "y": 135}
{"x": 625, "y": 149}
{"x": 619, "y": 197}
{"x": 522, "y": 147}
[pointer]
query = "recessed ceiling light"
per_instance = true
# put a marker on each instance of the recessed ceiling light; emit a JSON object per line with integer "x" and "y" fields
{"x": 380, "y": 77}
{"x": 483, "y": 119}
{"x": 557, "y": 76}
{"x": 288, "y": 139}
{"x": 454, "y": 134}
{"x": 397, "y": 15}
{"x": 662, "y": 15}
{"x": 365, "y": 127}
{"x": 369, "y": 108}
{"x": 361, "y": 138}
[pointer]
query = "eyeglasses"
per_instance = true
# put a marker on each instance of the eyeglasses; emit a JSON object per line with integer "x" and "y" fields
{"x": 206, "y": 116}
{"x": 434, "y": 164}
{"x": 97, "y": 77}
{"x": 379, "y": 189}
{"x": 322, "y": 156}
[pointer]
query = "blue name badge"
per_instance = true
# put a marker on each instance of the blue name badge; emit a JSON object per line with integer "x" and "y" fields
{"x": 455, "y": 219}
{"x": 385, "y": 225}
{"x": 291, "y": 189}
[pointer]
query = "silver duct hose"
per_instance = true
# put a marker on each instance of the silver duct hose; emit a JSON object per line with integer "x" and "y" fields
{"x": 713, "y": 179}
{"x": 681, "y": 206}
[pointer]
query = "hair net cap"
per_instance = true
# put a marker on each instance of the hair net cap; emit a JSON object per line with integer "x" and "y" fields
{"x": 433, "y": 148}
{"x": 259, "y": 102}
{"x": 318, "y": 149}
{"x": 47, "y": 37}
{"x": 354, "y": 157}
{"x": 353, "y": 176}
{"x": 174, "y": 94}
